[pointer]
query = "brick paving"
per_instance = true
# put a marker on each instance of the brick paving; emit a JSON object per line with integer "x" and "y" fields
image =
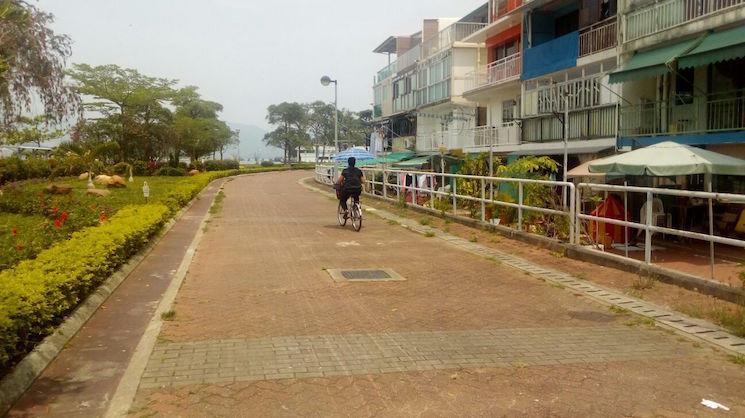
{"x": 227, "y": 361}
{"x": 259, "y": 278}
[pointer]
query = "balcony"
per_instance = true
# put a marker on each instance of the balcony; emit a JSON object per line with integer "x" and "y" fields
{"x": 409, "y": 58}
{"x": 713, "y": 113}
{"x": 404, "y": 103}
{"x": 580, "y": 93}
{"x": 478, "y": 138}
{"x": 666, "y": 14}
{"x": 555, "y": 55}
{"x": 500, "y": 71}
{"x": 592, "y": 123}
{"x": 599, "y": 37}
{"x": 448, "y": 36}
{"x": 500, "y": 8}
{"x": 386, "y": 72}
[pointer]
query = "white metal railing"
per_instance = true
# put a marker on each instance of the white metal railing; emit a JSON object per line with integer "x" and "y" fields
{"x": 663, "y": 15}
{"x": 410, "y": 57}
{"x": 465, "y": 195}
{"x": 387, "y": 71}
{"x": 651, "y": 223}
{"x": 697, "y": 114}
{"x": 484, "y": 199}
{"x": 448, "y": 36}
{"x": 598, "y": 37}
{"x": 582, "y": 93}
{"x": 497, "y": 72}
{"x": 504, "y": 134}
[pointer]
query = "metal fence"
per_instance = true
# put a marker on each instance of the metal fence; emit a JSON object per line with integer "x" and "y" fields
{"x": 477, "y": 197}
{"x": 661, "y": 15}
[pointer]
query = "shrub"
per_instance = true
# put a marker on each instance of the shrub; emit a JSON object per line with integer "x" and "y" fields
{"x": 36, "y": 295}
{"x": 38, "y": 168}
{"x": 139, "y": 168}
{"x": 120, "y": 168}
{"x": 170, "y": 171}
{"x": 12, "y": 169}
{"x": 267, "y": 163}
{"x": 221, "y": 165}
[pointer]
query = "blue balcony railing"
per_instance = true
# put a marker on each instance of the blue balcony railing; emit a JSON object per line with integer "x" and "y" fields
{"x": 555, "y": 55}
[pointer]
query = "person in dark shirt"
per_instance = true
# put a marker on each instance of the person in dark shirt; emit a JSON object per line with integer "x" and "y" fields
{"x": 350, "y": 182}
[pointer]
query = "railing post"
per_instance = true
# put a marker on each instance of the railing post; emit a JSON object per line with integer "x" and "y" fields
{"x": 398, "y": 187}
{"x": 413, "y": 189}
{"x": 572, "y": 219}
{"x": 578, "y": 211}
{"x": 455, "y": 200}
{"x": 385, "y": 186}
{"x": 432, "y": 192}
{"x": 483, "y": 198}
{"x": 520, "y": 207}
{"x": 648, "y": 238}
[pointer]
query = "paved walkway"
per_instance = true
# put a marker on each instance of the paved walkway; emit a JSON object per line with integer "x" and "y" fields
{"x": 261, "y": 329}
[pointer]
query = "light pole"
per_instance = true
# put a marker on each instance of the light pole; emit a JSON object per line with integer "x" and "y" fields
{"x": 325, "y": 81}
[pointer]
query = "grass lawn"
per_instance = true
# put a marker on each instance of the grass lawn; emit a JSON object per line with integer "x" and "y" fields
{"x": 32, "y": 220}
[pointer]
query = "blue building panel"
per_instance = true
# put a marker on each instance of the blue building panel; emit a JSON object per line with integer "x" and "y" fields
{"x": 551, "y": 56}
{"x": 737, "y": 137}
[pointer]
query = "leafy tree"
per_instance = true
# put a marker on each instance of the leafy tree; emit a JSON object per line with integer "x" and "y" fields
{"x": 35, "y": 130}
{"x": 32, "y": 62}
{"x": 128, "y": 106}
{"x": 290, "y": 133}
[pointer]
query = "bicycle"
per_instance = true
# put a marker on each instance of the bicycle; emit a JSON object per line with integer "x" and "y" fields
{"x": 355, "y": 213}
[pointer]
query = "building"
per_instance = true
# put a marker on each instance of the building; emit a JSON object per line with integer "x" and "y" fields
{"x": 682, "y": 74}
{"x": 624, "y": 73}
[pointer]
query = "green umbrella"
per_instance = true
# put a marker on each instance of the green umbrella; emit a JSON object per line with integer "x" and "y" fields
{"x": 669, "y": 159}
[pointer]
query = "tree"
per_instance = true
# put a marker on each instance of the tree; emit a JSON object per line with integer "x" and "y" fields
{"x": 35, "y": 130}
{"x": 32, "y": 62}
{"x": 321, "y": 125}
{"x": 197, "y": 130}
{"x": 130, "y": 107}
{"x": 290, "y": 133}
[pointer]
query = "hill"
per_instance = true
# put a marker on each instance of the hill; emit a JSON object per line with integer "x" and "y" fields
{"x": 252, "y": 144}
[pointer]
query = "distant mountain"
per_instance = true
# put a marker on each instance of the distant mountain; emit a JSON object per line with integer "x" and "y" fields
{"x": 252, "y": 144}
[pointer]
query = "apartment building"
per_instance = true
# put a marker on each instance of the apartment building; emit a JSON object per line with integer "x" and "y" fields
{"x": 418, "y": 96}
{"x": 623, "y": 73}
{"x": 682, "y": 73}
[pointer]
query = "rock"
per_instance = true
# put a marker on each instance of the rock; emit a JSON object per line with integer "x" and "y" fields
{"x": 117, "y": 181}
{"x": 84, "y": 176}
{"x": 58, "y": 189}
{"x": 193, "y": 172}
{"x": 98, "y": 192}
{"x": 103, "y": 179}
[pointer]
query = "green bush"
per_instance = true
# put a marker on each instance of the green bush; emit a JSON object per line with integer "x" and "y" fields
{"x": 267, "y": 163}
{"x": 170, "y": 171}
{"x": 139, "y": 168}
{"x": 12, "y": 169}
{"x": 221, "y": 165}
{"x": 120, "y": 168}
{"x": 36, "y": 295}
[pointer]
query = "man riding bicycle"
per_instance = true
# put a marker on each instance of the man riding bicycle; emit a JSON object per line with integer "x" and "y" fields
{"x": 350, "y": 184}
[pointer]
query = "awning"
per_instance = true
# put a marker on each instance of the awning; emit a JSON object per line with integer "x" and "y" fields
{"x": 719, "y": 46}
{"x": 415, "y": 162}
{"x": 652, "y": 63}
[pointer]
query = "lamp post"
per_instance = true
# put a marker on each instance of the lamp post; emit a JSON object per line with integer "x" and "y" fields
{"x": 325, "y": 81}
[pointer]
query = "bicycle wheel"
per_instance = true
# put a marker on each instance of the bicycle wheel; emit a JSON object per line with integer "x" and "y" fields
{"x": 341, "y": 216}
{"x": 357, "y": 217}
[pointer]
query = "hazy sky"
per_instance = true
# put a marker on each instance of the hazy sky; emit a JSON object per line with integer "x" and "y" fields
{"x": 248, "y": 54}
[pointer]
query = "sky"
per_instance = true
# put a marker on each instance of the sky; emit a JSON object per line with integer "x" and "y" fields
{"x": 248, "y": 54}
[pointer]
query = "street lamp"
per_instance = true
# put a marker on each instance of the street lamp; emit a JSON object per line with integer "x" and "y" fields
{"x": 325, "y": 81}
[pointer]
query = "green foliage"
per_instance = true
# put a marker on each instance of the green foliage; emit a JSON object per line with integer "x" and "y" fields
{"x": 170, "y": 171}
{"x": 121, "y": 169}
{"x": 267, "y": 163}
{"x": 221, "y": 165}
{"x": 36, "y": 295}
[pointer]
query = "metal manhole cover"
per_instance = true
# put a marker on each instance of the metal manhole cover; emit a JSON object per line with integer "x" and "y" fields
{"x": 364, "y": 275}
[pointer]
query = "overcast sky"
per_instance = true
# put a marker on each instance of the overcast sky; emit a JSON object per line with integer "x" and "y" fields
{"x": 248, "y": 54}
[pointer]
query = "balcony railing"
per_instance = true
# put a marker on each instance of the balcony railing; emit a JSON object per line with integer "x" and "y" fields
{"x": 598, "y": 37}
{"x": 448, "y": 36}
{"x": 387, "y": 71}
{"x": 500, "y": 71}
{"x": 663, "y": 15}
{"x": 404, "y": 102}
{"x": 582, "y": 93}
{"x": 685, "y": 115}
{"x": 481, "y": 137}
{"x": 410, "y": 57}
{"x": 599, "y": 122}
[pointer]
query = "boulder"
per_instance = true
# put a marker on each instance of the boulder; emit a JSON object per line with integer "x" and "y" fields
{"x": 193, "y": 172}
{"x": 98, "y": 192}
{"x": 58, "y": 189}
{"x": 103, "y": 179}
{"x": 117, "y": 181}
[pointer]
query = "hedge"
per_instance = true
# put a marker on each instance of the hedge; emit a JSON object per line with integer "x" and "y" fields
{"x": 36, "y": 295}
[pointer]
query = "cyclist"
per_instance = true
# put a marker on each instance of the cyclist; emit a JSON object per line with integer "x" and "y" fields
{"x": 350, "y": 183}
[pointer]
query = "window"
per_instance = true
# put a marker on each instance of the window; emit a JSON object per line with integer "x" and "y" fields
{"x": 505, "y": 50}
{"x": 684, "y": 86}
{"x": 508, "y": 111}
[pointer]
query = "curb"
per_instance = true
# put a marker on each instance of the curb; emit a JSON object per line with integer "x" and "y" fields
{"x": 695, "y": 329}
{"x": 26, "y": 371}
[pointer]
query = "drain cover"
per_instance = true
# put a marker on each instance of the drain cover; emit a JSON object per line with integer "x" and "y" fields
{"x": 365, "y": 275}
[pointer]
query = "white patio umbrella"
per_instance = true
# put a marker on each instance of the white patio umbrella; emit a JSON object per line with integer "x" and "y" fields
{"x": 669, "y": 159}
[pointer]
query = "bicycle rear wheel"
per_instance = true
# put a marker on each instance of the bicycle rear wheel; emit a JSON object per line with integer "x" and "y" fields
{"x": 357, "y": 217}
{"x": 341, "y": 216}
